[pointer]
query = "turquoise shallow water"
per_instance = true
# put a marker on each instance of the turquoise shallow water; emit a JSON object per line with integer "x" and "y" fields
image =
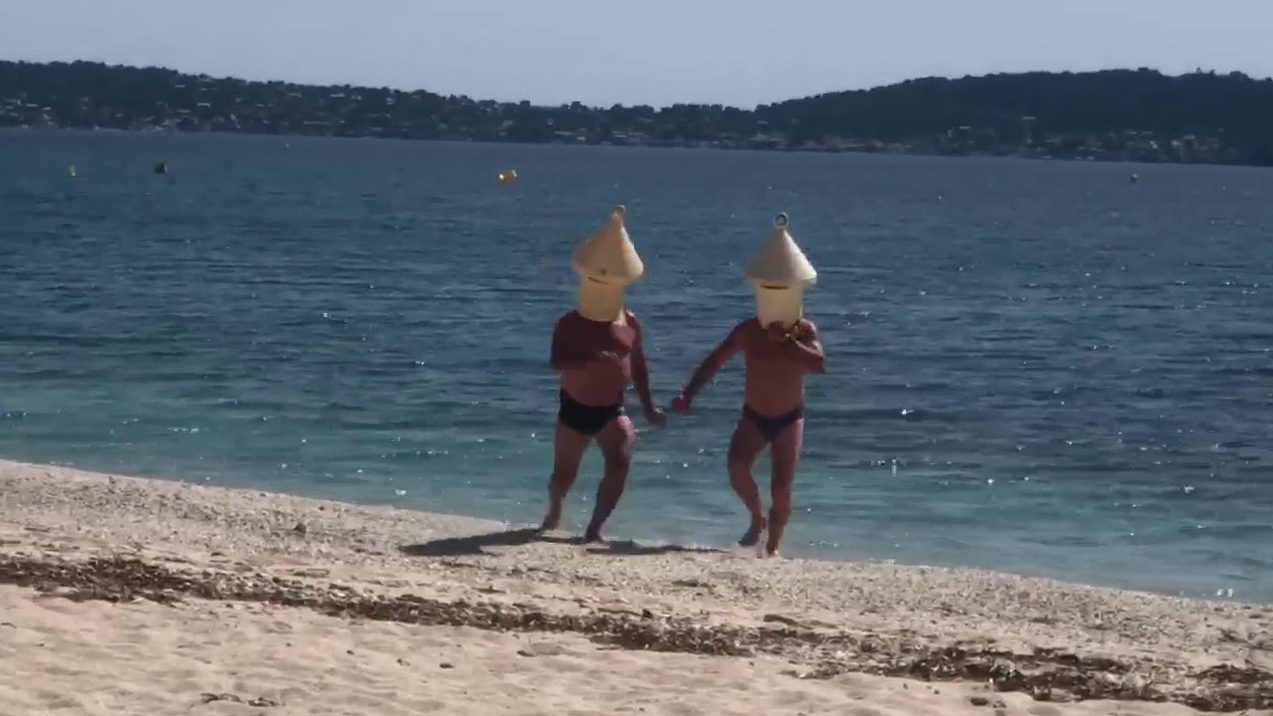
{"x": 1035, "y": 367}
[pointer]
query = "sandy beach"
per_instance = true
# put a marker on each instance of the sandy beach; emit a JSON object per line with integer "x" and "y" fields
{"x": 127, "y": 596}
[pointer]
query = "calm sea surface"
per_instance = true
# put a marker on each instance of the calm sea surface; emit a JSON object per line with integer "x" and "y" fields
{"x": 1034, "y": 367}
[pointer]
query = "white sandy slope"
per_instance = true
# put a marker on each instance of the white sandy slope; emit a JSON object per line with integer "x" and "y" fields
{"x": 62, "y": 657}
{"x": 66, "y": 657}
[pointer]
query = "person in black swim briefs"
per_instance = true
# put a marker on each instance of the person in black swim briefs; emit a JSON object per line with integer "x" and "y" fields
{"x": 780, "y": 347}
{"x": 598, "y": 349}
{"x": 777, "y": 360}
{"x": 596, "y": 361}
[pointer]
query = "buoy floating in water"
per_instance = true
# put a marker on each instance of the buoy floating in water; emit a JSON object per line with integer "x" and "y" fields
{"x": 72, "y": 171}
{"x": 508, "y": 176}
{"x": 161, "y": 168}
{"x": 1135, "y": 179}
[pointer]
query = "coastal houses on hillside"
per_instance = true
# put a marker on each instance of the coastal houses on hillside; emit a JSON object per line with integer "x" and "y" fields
{"x": 901, "y": 119}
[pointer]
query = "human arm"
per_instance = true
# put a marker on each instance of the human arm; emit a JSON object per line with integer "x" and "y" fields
{"x": 641, "y": 374}
{"x": 710, "y": 366}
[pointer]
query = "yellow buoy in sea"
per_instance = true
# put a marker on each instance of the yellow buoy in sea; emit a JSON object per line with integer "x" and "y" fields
{"x": 161, "y": 168}
{"x": 71, "y": 170}
{"x": 508, "y": 176}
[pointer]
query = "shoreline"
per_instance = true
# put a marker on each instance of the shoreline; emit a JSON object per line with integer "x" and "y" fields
{"x": 660, "y": 147}
{"x": 96, "y": 538}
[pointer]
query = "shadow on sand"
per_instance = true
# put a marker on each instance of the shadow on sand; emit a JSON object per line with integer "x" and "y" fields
{"x": 628, "y": 548}
{"x": 477, "y": 545}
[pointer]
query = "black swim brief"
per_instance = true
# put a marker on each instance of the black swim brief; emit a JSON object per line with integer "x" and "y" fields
{"x": 771, "y": 427}
{"x": 586, "y": 419}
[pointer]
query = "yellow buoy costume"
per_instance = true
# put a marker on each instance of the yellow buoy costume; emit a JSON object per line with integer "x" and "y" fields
{"x": 607, "y": 263}
{"x": 780, "y": 274}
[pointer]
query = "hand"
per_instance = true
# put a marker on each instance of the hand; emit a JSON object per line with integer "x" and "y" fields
{"x": 777, "y": 332}
{"x": 656, "y": 417}
{"x": 681, "y": 404}
{"x": 803, "y": 331}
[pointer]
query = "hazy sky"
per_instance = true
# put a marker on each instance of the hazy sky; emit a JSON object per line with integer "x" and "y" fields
{"x": 640, "y": 51}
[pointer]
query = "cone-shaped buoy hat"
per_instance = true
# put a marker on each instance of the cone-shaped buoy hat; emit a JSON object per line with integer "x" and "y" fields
{"x": 609, "y": 255}
{"x": 780, "y": 262}
{"x": 779, "y": 275}
{"x": 606, "y": 263}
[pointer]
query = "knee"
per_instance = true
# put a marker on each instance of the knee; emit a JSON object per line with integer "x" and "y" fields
{"x": 738, "y": 463}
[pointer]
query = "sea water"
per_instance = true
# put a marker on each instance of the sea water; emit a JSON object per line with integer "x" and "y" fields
{"x": 1044, "y": 368}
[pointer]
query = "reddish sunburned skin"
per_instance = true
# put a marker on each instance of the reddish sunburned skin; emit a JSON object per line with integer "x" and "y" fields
{"x": 777, "y": 360}
{"x": 596, "y": 361}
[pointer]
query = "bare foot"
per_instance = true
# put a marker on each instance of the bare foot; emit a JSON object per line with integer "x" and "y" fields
{"x": 773, "y": 554}
{"x": 752, "y": 536}
{"x": 553, "y": 519}
{"x": 593, "y": 536}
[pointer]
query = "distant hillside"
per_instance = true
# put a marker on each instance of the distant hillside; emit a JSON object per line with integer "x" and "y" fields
{"x": 1233, "y": 106}
{"x": 1113, "y": 115}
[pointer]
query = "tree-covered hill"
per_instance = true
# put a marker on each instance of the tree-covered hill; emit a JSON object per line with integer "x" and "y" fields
{"x": 1114, "y": 115}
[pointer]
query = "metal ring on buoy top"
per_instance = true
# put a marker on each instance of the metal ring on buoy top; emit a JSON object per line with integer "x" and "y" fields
{"x": 781, "y": 220}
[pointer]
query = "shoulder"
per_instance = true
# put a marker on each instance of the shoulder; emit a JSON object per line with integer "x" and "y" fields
{"x": 631, "y": 319}
{"x": 744, "y": 329}
{"x": 567, "y": 320}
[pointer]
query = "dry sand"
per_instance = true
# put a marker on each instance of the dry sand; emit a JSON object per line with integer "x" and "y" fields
{"x": 127, "y": 596}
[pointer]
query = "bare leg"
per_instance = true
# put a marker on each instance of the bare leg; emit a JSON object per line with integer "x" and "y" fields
{"x": 744, "y": 447}
{"x": 616, "y": 441}
{"x": 785, "y": 456}
{"x": 568, "y": 449}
